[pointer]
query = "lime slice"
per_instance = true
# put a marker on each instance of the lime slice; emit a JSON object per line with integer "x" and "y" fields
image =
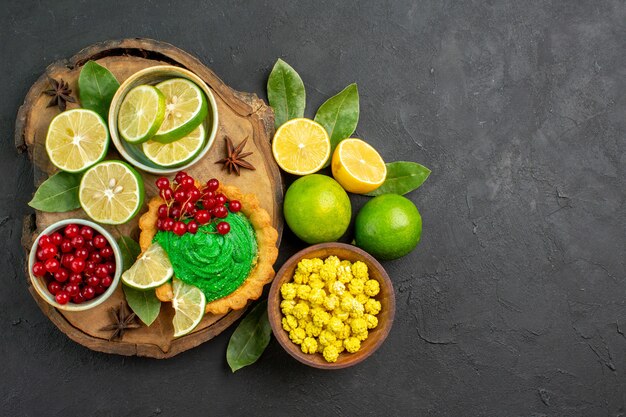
{"x": 152, "y": 269}
{"x": 111, "y": 192}
{"x": 77, "y": 139}
{"x": 178, "y": 152}
{"x": 188, "y": 303}
{"x": 141, "y": 113}
{"x": 185, "y": 108}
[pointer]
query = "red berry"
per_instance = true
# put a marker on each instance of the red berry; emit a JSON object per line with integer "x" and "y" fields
{"x": 106, "y": 252}
{"x": 179, "y": 228}
{"x": 89, "y": 246}
{"x": 99, "y": 241}
{"x": 102, "y": 271}
{"x": 99, "y": 289}
{"x": 88, "y": 293}
{"x": 78, "y": 298}
{"x": 81, "y": 253}
{"x": 40, "y": 254}
{"x": 72, "y": 290}
{"x": 180, "y": 195}
{"x": 39, "y": 270}
{"x": 78, "y": 241}
{"x": 110, "y": 267}
{"x": 168, "y": 224}
{"x": 93, "y": 281}
{"x": 166, "y": 194}
{"x": 90, "y": 268}
{"x": 209, "y": 203}
{"x": 61, "y": 275}
{"x": 44, "y": 240}
{"x": 66, "y": 246}
{"x": 187, "y": 182}
{"x": 223, "y": 228}
{"x": 188, "y": 207}
{"x": 95, "y": 257}
{"x": 194, "y": 194}
{"x": 52, "y": 265}
{"x": 77, "y": 265}
{"x": 162, "y": 183}
{"x": 162, "y": 211}
{"x": 62, "y": 297}
{"x": 66, "y": 260}
{"x": 192, "y": 227}
{"x": 220, "y": 211}
{"x": 221, "y": 199}
{"x": 179, "y": 176}
{"x": 106, "y": 282}
{"x": 71, "y": 230}
{"x": 175, "y": 211}
{"x": 54, "y": 287}
{"x": 203, "y": 216}
{"x": 50, "y": 251}
{"x": 213, "y": 184}
{"x": 56, "y": 238}
{"x": 87, "y": 232}
{"x": 208, "y": 194}
{"x": 234, "y": 206}
{"x": 76, "y": 279}
{"x": 159, "y": 224}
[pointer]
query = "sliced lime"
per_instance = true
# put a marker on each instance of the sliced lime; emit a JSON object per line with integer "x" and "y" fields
{"x": 141, "y": 113}
{"x": 177, "y": 152}
{"x": 188, "y": 303}
{"x": 77, "y": 139}
{"x": 152, "y": 269}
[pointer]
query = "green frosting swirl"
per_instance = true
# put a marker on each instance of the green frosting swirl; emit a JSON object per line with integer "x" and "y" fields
{"x": 216, "y": 264}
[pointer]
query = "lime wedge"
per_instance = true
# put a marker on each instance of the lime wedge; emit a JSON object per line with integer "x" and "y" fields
{"x": 178, "y": 152}
{"x": 77, "y": 139}
{"x": 152, "y": 269}
{"x": 188, "y": 303}
{"x": 185, "y": 108}
{"x": 111, "y": 192}
{"x": 141, "y": 113}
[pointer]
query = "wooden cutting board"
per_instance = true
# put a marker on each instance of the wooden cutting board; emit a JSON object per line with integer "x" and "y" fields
{"x": 241, "y": 115}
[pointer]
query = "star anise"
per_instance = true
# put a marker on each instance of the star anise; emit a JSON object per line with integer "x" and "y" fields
{"x": 234, "y": 160}
{"x": 60, "y": 93}
{"x": 121, "y": 322}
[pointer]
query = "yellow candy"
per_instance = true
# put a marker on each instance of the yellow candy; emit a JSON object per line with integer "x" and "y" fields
{"x": 345, "y": 333}
{"x": 338, "y": 288}
{"x": 320, "y": 317}
{"x": 297, "y": 335}
{"x": 372, "y": 306}
{"x": 303, "y": 292}
{"x": 335, "y": 325}
{"x": 312, "y": 330}
{"x": 352, "y": 344}
{"x": 309, "y": 345}
{"x": 358, "y": 325}
{"x": 331, "y": 353}
{"x": 315, "y": 282}
{"x": 340, "y": 314}
{"x": 361, "y": 298}
{"x": 301, "y": 310}
{"x": 371, "y": 321}
{"x": 326, "y": 338}
{"x": 356, "y": 287}
{"x": 328, "y": 272}
{"x": 362, "y": 336}
{"x": 359, "y": 270}
{"x": 333, "y": 261}
{"x": 286, "y": 306}
{"x": 331, "y": 302}
{"x": 372, "y": 287}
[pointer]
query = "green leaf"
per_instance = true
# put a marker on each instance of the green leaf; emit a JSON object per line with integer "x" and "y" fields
{"x": 250, "y": 338}
{"x": 339, "y": 115}
{"x": 285, "y": 91}
{"x": 402, "y": 177}
{"x": 145, "y": 304}
{"x": 96, "y": 88}
{"x": 130, "y": 250}
{"x": 58, "y": 193}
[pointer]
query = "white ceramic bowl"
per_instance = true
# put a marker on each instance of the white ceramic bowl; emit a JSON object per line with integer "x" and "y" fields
{"x": 153, "y": 75}
{"x": 39, "y": 283}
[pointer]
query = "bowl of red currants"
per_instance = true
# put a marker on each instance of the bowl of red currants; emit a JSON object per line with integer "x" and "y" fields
{"x": 74, "y": 264}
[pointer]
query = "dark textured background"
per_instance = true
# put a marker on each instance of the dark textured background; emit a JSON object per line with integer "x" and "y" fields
{"x": 514, "y": 302}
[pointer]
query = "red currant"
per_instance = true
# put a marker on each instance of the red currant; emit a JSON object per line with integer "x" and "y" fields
{"x": 99, "y": 241}
{"x": 66, "y": 246}
{"x": 93, "y": 281}
{"x": 234, "y": 206}
{"x": 76, "y": 279}
{"x": 54, "y": 287}
{"x": 194, "y": 194}
{"x": 78, "y": 241}
{"x": 62, "y": 297}
{"x": 39, "y": 270}
{"x": 179, "y": 176}
{"x": 106, "y": 252}
{"x": 102, "y": 271}
{"x": 168, "y": 224}
{"x": 95, "y": 257}
{"x": 162, "y": 211}
{"x": 188, "y": 207}
{"x": 56, "y": 238}
{"x": 221, "y": 199}
{"x": 40, "y": 254}
{"x": 66, "y": 260}
{"x": 220, "y": 211}
{"x": 180, "y": 195}
{"x": 99, "y": 289}
{"x": 86, "y": 232}
{"x": 71, "y": 230}
{"x": 203, "y": 216}
{"x": 88, "y": 293}
{"x": 166, "y": 194}
{"x": 179, "y": 228}
{"x": 110, "y": 267}
{"x": 44, "y": 240}
{"x": 89, "y": 246}
{"x": 209, "y": 203}
{"x": 162, "y": 183}
{"x": 77, "y": 265}
{"x": 72, "y": 290}
{"x": 159, "y": 224}
{"x": 192, "y": 227}
{"x": 78, "y": 298}
{"x": 81, "y": 253}
{"x": 213, "y": 184}
{"x": 50, "y": 251}
{"x": 90, "y": 268}
{"x": 187, "y": 182}
{"x": 106, "y": 282}
{"x": 223, "y": 228}
{"x": 52, "y": 265}
{"x": 175, "y": 212}
{"x": 61, "y": 275}
{"x": 208, "y": 194}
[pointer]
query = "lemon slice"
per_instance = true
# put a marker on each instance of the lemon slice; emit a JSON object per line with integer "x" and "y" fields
{"x": 175, "y": 153}
{"x": 141, "y": 113}
{"x": 301, "y": 146}
{"x": 185, "y": 108}
{"x": 152, "y": 269}
{"x": 358, "y": 167}
{"x": 77, "y": 139}
{"x": 188, "y": 303}
{"x": 111, "y": 192}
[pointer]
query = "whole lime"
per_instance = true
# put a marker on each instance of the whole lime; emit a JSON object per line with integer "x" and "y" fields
{"x": 317, "y": 209}
{"x": 388, "y": 226}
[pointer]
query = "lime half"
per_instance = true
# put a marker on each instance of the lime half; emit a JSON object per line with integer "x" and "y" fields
{"x": 141, "y": 113}
{"x": 188, "y": 303}
{"x": 111, "y": 192}
{"x": 185, "y": 108}
{"x": 152, "y": 269}
{"x": 177, "y": 152}
{"x": 77, "y": 139}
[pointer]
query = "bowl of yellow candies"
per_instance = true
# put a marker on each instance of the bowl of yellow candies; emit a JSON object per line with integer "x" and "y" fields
{"x": 331, "y": 305}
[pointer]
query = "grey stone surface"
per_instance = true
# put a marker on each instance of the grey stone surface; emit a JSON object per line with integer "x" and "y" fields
{"x": 514, "y": 303}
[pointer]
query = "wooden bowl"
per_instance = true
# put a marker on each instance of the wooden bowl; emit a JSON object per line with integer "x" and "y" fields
{"x": 376, "y": 335}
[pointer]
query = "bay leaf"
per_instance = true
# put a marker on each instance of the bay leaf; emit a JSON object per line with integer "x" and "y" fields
{"x": 250, "y": 338}
{"x": 285, "y": 92}
{"x": 96, "y": 88}
{"x": 340, "y": 115}
{"x": 59, "y": 193}
{"x": 130, "y": 250}
{"x": 144, "y": 304}
{"x": 402, "y": 177}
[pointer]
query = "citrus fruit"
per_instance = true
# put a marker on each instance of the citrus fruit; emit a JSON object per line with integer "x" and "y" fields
{"x": 301, "y": 146}
{"x": 150, "y": 270}
{"x": 188, "y": 304}
{"x": 77, "y": 139}
{"x": 111, "y": 192}
{"x": 317, "y": 209}
{"x": 358, "y": 167}
{"x": 177, "y": 152}
{"x": 141, "y": 113}
{"x": 388, "y": 226}
{"x": 185, "y": 108}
